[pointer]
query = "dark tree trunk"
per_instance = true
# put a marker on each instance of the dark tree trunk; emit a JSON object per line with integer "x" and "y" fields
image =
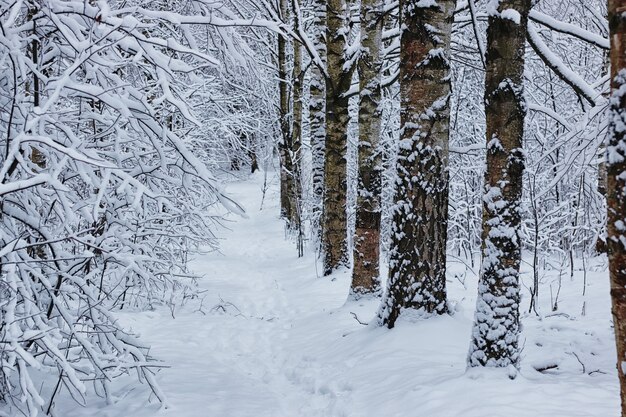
{"x": 417, "y": 263}
{"x": 317, "y": 114}
{"x": 365, "y": 274}
{"x": 295, "y": 151}
{"x": 334, "y": 216}
{"x": 254, "y": 163}
{"x": 285, "y": 131}
{"x": 496, "y": 326}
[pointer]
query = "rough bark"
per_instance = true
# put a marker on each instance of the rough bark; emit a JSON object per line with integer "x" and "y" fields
{"x": 295, "y": 193}
{"x": 317, "y": 116}
{"x": 334, "y": 216}
{"x": 290, "y": 119}
{"x": 420, "y": 213}
{"x": 496, "y": 325}
{"x": 365, "y": 274}
{"x": 616, "y": 184}
{"x": 283, "y": 145}
{"x": 600, "y": 245}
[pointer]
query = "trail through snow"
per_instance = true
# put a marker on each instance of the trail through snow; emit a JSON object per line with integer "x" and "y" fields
{"x": 269, "y": 338}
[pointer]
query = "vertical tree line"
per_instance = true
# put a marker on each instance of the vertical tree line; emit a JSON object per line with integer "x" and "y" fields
{"x": 420, "y": 218}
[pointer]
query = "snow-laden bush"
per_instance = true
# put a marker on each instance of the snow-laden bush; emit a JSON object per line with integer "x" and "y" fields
{"x": 102, "y": 195}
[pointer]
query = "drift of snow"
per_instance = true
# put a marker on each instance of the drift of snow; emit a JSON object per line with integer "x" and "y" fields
{"x": 269, "y": 338}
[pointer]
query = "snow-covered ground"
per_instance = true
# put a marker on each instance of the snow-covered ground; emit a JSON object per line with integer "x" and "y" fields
{"x": 269, "y": 337}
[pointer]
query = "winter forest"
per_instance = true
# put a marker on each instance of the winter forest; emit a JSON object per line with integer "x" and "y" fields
{"x": 312, "y": 208}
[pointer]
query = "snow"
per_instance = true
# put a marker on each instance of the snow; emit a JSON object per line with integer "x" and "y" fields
{"x": 269, "y": 338}
{"x": 492, "y": 7}
{"x": 569, "y": 28}
{"x": 426, "y": 3}
{"x": 558, "y": 65}
{"x": 512, "y": 15}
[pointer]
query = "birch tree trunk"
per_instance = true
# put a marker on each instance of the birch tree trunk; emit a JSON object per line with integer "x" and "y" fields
{"x": 285, "y": 134}
{"x": 616, "y": 184}
{"x": 365, "y": 274}
{"x": 417, "y": 262}
{"x": 601, "y": 244}
{"x": 496, "y": 325}
{"x": 317, "y": 116}
{"x": 334, "y": 216}
{"x": 295, "y": 151}
{"x": 291, "y": 115}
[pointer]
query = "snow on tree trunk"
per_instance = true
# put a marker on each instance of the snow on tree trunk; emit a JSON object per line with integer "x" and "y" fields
{"x": 295, "y": 193}
{"x": 289, "y": 145}
{"x": 334, "y": 216}
{"x": 417, "y": 262}
{"x": 317, "y": 114}
{"x": 285, "y": 138}
{"x": 600, "y": 245}
{"x": 496, "y": 326}
{"x": 616, "y": 184}
{"x": 365, "y": 274}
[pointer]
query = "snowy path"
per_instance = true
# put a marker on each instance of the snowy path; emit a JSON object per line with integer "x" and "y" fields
{"x": 274, "y": 340}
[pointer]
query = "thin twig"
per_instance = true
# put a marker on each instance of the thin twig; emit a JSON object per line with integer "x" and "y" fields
{"x": 357, "y": 319}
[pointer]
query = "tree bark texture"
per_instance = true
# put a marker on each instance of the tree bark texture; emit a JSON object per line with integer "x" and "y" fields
{"x": 616, "y": 184}
{"x": 295, "y": 150}
{"x": 317, "y": 116}
{"x": 291, "y": 114}
{"x": 285, "y": 134}
{"x": 365, "y": 274}
{"x": 417, "y": 263}
{"x": 334, "y": 216}
{"x": 496, "y": 324}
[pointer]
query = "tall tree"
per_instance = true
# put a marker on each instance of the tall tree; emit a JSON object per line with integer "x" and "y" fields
{"x": 419, "y": 227}
{"x": 290, "y": 122}
{"x": 296, "y": 137}
{"x": 334, "y": 216}
{"x": 496, "y": 326}
{"x": 317, "y": 107}
{"x": 365, "y": 274}
{"x": 616, "y": 181}
{"x": 285, "y": 131}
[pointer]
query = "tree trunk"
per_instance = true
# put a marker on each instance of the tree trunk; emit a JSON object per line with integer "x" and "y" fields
{"x": 254, "y": 163}
{"x": 295, "y": 218}
{"x": 334, "y": 217}
{"x": 616, "y": 183}
{"x": 35, "y": 155}
{"x": 417, "y": 263}
{"x": 285, "y": 131}
{"x": 496, "y": 326}
{"x": 365, "y": 274}
{"x": 317, "y": 111}
{"x": 600, "y": 245}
